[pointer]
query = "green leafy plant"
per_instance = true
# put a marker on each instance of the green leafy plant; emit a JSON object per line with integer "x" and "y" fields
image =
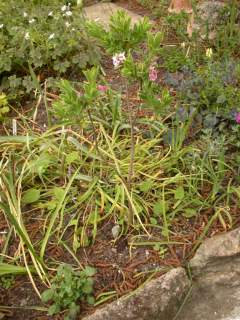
{"x": 42, "y": 40}
{"x": 227, "y": 39}
{"x": 68, "y": 288}
{"x": 174, "y": 58}
{"x": 209, "y": 96}
{"x": 90, "y": 99}
{"x": 7, "y": 281}
{"x": 7, "y": 269}
{"x": 122, "y": 35}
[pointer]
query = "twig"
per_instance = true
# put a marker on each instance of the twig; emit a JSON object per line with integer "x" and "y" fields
{"x": 132, "y": 155}
{"x": 94, "y": 130}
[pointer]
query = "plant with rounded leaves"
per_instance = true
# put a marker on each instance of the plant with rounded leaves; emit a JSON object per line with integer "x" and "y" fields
{"x": 68, "y": 288}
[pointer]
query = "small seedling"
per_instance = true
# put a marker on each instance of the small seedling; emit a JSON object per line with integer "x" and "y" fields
{"x": 68, "y": 288}
{"x": 7, "y": 281}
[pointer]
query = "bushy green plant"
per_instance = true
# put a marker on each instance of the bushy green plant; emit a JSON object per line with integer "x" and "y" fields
{"x": 227, "y": 40}
{"x": 174, "y": 58}
{"x": 42, "y": 39}
{"x": 90, "y": 97}
{"x": 68, "y": 288}
{"x": 122, "y": 35}
{"x": 7, "y": 281}
{"x": 176, "y": 24}
{"x": 211, "y": 92}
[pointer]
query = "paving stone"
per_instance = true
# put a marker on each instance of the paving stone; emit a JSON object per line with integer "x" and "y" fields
{"x": 102, "y": 12}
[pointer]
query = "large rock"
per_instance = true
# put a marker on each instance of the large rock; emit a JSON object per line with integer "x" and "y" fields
{"x": 102, "y": 12}
{"x": 218, "y": 259}
{"x": 215, "y": 269}
{"x": 208, "y": 18}
{"x": 159, "y": 299}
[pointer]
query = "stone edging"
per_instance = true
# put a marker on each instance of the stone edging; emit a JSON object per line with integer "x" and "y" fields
{"x": 159, "y": 299}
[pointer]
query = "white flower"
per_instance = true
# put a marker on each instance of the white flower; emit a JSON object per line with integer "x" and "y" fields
{"x": 118, "y": 59}
{"x": 1, "y": 26}
{"x": 183, "y": 45}
{"x": 67, "y": 24}
{"x": 27, "y": 36}
{"x": 73, "y": 29}
{"x": 64, "y": 8}
{"x": 31, "y": 21}
{"x": 52, "y": 35}
{"x": 209, "y": 53}
{"x": 50, "y": 14}
{"x": 25, "y": 14}
{"x": 68, "y": 13}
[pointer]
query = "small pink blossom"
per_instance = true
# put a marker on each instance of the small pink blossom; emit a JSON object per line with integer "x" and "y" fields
{"x": 152, "y": 75}
{"x": 102, "y": 88}
{"x": 237, "y": 117}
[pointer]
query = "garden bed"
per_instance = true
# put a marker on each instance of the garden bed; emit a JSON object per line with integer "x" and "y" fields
{"x": 125, "y": 168}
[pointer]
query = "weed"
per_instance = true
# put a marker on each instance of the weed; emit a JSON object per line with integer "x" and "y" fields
{"x": 68, "y": 288}
{"x": 7, "y": 281}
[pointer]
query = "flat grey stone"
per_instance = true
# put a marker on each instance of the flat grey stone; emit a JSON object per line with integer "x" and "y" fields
{"x": 159, "y": 299}
{"x": 215, "y": 269}
{"x": 217, "y": 254}
{"x": 212, "y": 303}
{"x": 209, "y": 17}
{"x": 101, "y": 12}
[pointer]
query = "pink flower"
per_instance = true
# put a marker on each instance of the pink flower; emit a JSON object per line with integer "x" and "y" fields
{"x": 102, "y": 88}
{"x": 237, "y": 117}
{"x": 152, "y": 75}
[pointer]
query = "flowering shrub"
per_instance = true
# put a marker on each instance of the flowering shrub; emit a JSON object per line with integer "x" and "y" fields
{"x": 135, "y": 50}
{"x": 47, "y": 36}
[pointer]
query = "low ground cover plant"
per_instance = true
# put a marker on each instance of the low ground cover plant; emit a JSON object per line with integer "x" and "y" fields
{"x": 68, "y": 287}
{"x": 41, "y": 40}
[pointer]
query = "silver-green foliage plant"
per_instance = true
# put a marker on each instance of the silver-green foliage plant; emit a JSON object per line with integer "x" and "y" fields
{"x": 68, "y": 288}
